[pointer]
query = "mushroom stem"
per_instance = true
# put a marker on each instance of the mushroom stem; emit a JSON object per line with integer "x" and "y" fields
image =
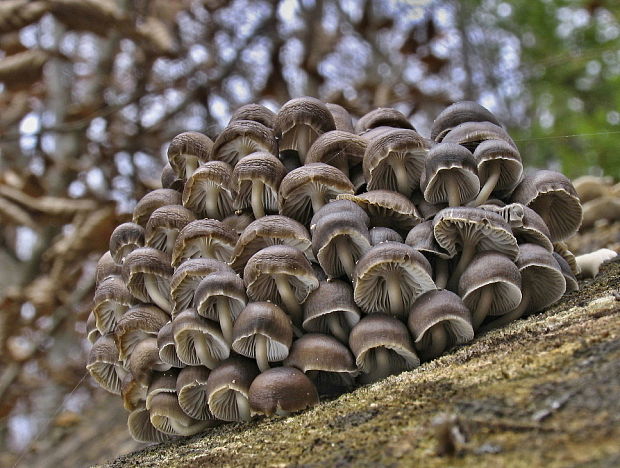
{"x": 212, "y": 194}
{"x": 395, "y": 296}
{"x": 382, "y": 367}
{"x": 203, "y": 352}
{"x": 469, "y": 250}
{"x": 454, "y": 194}
{"x": 442, "y": 272}
{"x": 490, "y": 184}
{"x": 403, "y": 182}
{"x": 336, "y": 328}
{"x": 243, "y": 406}
{"x": 317, "y": 199}
{"x": 510, "y": 316}
{"x": 288, "y": 298}
{"x": 261, "y": 350}
{"x": 225, "y": 317}
{"x": 191, "y": 164}
{"x": 482, "y": 308}
{"x": 171, "y": 238}
{"x": 343, "y": 250}
{"x": 258, "y": 204}
{"x": 152, "y": 288}
{"x": 439, "y": 340}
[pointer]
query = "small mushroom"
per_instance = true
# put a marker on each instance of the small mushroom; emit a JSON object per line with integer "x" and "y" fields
{"x": 340, "y": 149}
{"x": 569, "y": 276}
{"x": 499, "y": 169}
{"x": 139, "y": 322}
{"x": 263, "y": 332}
{"x": 191, "y": 390}
{"x": 167, "y": 416}
{"x": 382, "y": 346}
{"x": 133, "y": 393}
{"x": 104, "y": 366}
{"x": 238, "y": 222}
{"x": 204, "y": 238}
{"x": 198, "y": 341}
{"x": 471, "y": 134}
{"x": 112, "y": 299}
{"x": 240, "y": 138}
{"x": 208, "y": 192}
{"x": 186, "y": 151}
{"x": 422, "y": 238}
{"x": 106, "y": 266}
{"x": 169, "y": 179}
{"x": 590, "y": 263}
{"x": 92, "y": 334}
{"x": 256, "y": 180}
{"x": 144, "y": 360}
{"x": 562, "y": 249}
{"x": 141, "y": 429}
{"x": 382, "y": 117}
{"x": 146, "y": 272}
{"x": 164, "y": 225}
{"x": 383, "y": 234}
{"x": 282, "y": 391}
{"x": 228, "y": 388}
{"x": 153, "y": 200}
{"x": 255, "y": 112}
{"x": 167, "y": 348}
{"x": 458, "y": 113}
{"x": 341, "y": 116}
{"x": 389, "y": 278}
{"x": 125, "y": 238}
{"x": 439, "y": 320}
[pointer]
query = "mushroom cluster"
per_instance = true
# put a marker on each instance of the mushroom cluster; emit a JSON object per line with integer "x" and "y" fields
{"x": 298, "y": 255}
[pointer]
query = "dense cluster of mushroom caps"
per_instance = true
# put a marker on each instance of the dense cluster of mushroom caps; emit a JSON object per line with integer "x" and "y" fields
{"x": 298, "y": 255}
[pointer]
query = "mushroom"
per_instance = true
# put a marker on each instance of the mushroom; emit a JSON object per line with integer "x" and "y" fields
{"x": 325, "y": 360}
{"x": 167, "y": 348}
{"x": 439, "y": 320}
{"x": 338, "y": 148}
{"x": 139, "y": 322}
{"x": 198, "y": 341}
{"x": 490, "y": 285}
{"x": 590, "y": 263}
{"x": 569, "y": 276}
{"x": 282, "y": 391}
{"x": 144, "y": 360}
{"x": 383, "y": 234}
{"x": 164, "y": 225}
{"x": 341, "y": 116}
{"x": 471, "y": 134}
{"x": 141, "y": 429}
{"x": 542, "y": 283}
{"x": 238, "y": 222}
{"x": 104, "y": 366}
{"x": 221, "y": 297}
{"x": 382, "y": 346}
{"x": 283, "y": 275}
{"x": 267, "y": 231}
{"x": 450, "y": 176}
{"x": 240, "y": 138}
{"x": 191, "y": 390}
{"x": 382, "y": 117}
{"x": 92, "y": 334}
{"x": 187, "y": 151}
{"x": 133, "y": 392}
{"x": 331, "y": 309}
{"x": 204, "y": 238}
{"x": 228, "y": 388}
{"x": 562, "y": 249}
{"x": 304, "y": 190}
{"x": 112, "y": 299}
{"x": 264, "y": 332}
{"x": 499, "y": 169}
{"x": 458, "y": 113}
{"x": 255, "y": 112}
{"x": 153, "y": 200}
{"x": 389, "y": 277}
{"x": 395, "y": 160}
{"x": 106, "y": 266}
{"x": 208, "y": 192}
{"x": 146, "y": 272}
{"x": 125, "y": 238}
{"x": 169, "y": 179}
{"x": 256, "y": 180}
{"x": 299, "y": 122}
{"x": 422, "y": 238}
{"x": 552, "y": 196}
{"x": 167, "y": 416}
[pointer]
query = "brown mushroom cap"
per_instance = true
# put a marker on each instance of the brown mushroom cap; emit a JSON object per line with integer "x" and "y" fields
{"x": 125, "y": 238}
{"x": 451, "y": 175}
{"x": 267, "y": 231}
{"x": 91, "y": 328}
{"x": 264, "y": 332}
{"x": 204, "y": 238}
{"x": 255, "y": 112}
{"x": 167, "y": 416}
{"x": 141, "y": 429}
{"x": 153, "y": 200}
{"x": 304, "y": 190}
{"x": 169, "y": 179}
{"x": 458, "y": 113}
{"x": 281, "y": 391}
{"x": 104, "y": 366}
{"x": 280, "y": 274}
{"x": 491, "y": 285}
{"x": 299, "y": 122}
{"x": 187, "y": 151}
{"x": 383, "y": 234}
{"x": 382, "y": 117}
{"x": 164, "y": 225}
{"x": 112, "y": 299}
{"x": 144, "y": 360}
{"x": 341, "y": 116}
{"x": 238, "y": 222}
{"x": 167, "y": 348}
{"x": 331, "y": 309}
{"x": 106, "y": 266}
{"x": 256, "y": 179}
{"x": 137, "y": 323}
{"x": 146, "y": 273}
{"x": 198, "y": 341}
{"x": 553, "y": 197}
{"x": 422, "y": 238}
{"x": 208, "y": 192}
{"x": 240, "y": 138}
{"x": 191, "y": 389}
{"x": 387, "y": 209}
{"x": 395, "y": 161}
{"x": 389, "y": 278}
{"x": 338, "y": 148}
{"x": 382, "y": 346}
{"x": 499, "y": 168}
{"x": 471, "y": 134}
{"x": 132, "y": 392}
{"x": 228, "y": 388}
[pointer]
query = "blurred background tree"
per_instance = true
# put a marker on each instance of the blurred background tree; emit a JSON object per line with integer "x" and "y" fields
{"x": 93, "y": 90}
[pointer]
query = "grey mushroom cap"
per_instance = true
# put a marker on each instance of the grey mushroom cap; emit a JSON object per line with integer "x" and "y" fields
{"x": 228, "y": 388}
{"x": 141, "y": 429}
{"x": 139, "y": 322}
{"x": 238, "y": 222}
{"x": 204, "y": 238}
{"x": 91, "y": 328}
{"x": 304, "y": 190}
{"x": 106, "y": 266}
{"x": 340, "y": 149}
{"x": 198, "y": 341}
{"x": 104, "y": 366}
{"x": 562, "y": 249}
{"x": 378, "y": 235}
{"x": 282, "y": 390}
{"x": 499, "y": 168}
{"x": 191, "y": 390}
{"x": 240, "y": 138}
{"x": 569, "y": 276}
{"x": 341, "y": 116}
{"x": 451, "y": 175}
{"x": 153, "y": 200}
{"x": 144, "y": 361}
{"x": 553, "y": 197}
{"x": 439, "y": 308}
{"x": 389, "y": 278}
{"x": 208, "y": 192}
{"x": 255, "y": 112}
{"x": 146, "y": 272}
{"x": 471, "y": 134}
{"x": 169, "y": 179}
{"x": 225, "y": 285}
{"x": 167, "y": 348}
{"x": 164, "y": 225}
{"x": 395, "y": 161}
{"x": 186, "y": 151}
{"x": 125, "y": 238}
{"x": 299, "y": 122}
{"x": 167, "y": 416}
{"x": 112, "y": 299}
{"x": 458, "y": 113}
{"x": 337, "y": 207}
{"x": 382, "y": 117}
{"x": 422, "y": 238}
{"x": 267, "y": 231}
{"x": 132, "y": 392}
